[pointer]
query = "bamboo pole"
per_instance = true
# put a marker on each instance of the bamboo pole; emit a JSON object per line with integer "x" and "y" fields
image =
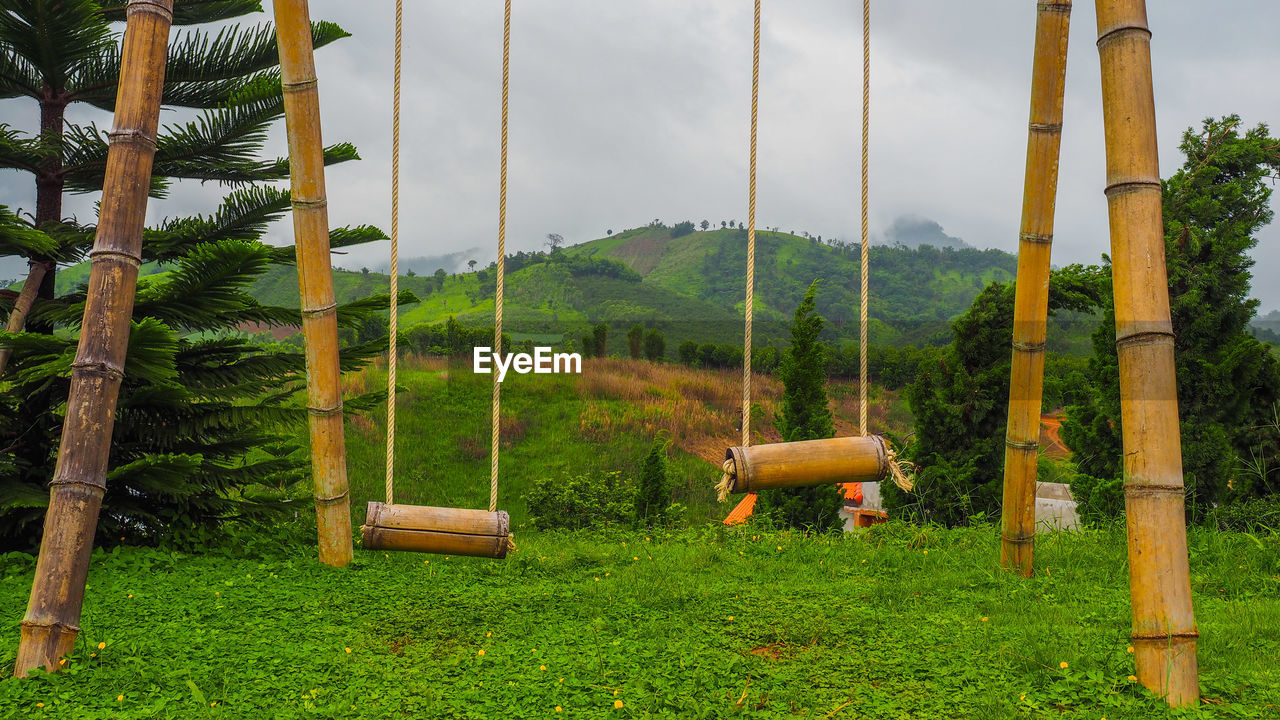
{"x": 22, "y": 305}
{"x": 53, "y": 614}
{"x": 315, "y": 279}
{"x": 1031, "y": 308}
{"x": 1164, "y": 629}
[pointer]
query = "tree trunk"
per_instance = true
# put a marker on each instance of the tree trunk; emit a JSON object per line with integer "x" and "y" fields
{"x": 315, "y": 278}
{"x": 1164, "y": 629}
{"x": 22, "y": 305}
{"x": 53, "y": 614}
{"x": 1031, "y": 308}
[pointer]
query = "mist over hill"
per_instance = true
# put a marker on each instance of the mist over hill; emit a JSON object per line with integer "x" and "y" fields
{"x": 912, "y": 231}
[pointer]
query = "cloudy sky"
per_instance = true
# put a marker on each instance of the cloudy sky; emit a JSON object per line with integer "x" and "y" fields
{"x": 626, "y": 112}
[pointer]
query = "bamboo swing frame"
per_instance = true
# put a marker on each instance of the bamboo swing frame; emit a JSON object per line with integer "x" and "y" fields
{"x": 1164, "y": 630}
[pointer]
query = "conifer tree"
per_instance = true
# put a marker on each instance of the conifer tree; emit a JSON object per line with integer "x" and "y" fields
{"x": 805, "y": 415}
{"x": 1228, "y": 381}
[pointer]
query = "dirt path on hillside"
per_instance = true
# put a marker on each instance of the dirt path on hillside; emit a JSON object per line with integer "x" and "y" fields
{"x": 1050, "y": 440}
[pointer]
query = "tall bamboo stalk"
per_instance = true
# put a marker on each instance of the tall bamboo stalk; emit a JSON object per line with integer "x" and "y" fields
{"x": 79, "y": 481}
{"x": 315, "y": 279}
{"x": 1164, "y": 629}
{"x": 1031, "y": 309}
{"x": 22, "y": 305}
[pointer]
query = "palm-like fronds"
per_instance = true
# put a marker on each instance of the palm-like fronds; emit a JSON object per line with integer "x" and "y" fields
{"x": 51, "y": 38}
{"x": 204, "y": 69}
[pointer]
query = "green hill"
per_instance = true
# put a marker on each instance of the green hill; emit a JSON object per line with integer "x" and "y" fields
{"x": 689, "y": 285}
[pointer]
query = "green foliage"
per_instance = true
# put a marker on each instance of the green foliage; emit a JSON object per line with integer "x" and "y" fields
{"x": 1261, "y": 514}
{"x": 655, "y": 345}
{"x": 578, "y": 502}
{"x": 207, "y": 422}
{"x": 635, "y": 341}
{"x": 960, "y": 400}
{"x": 653, "y": 491}
{"x": 260, "y": 628}
{"x": 804, "y": 415}
{"x": 1228, "y": 382}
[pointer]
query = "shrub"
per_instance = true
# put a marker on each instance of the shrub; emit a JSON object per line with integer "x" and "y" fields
{"x": 1249, "y": 515}
{"x": 579, "y": 502}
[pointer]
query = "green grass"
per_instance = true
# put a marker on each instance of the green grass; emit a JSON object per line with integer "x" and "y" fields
{"x": 443, "y": 437}
{"x": 898, "y": 623}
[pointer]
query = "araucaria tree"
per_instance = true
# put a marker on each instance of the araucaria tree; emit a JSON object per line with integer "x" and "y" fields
{"x": 1228, "y": 381}
{"x": 805, "y": 415}
{"x": 202, "y": 433}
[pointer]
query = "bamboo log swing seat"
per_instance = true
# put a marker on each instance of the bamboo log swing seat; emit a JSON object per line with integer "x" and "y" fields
{"x": 440, "y": 530}
{"x": 427, "y": 529}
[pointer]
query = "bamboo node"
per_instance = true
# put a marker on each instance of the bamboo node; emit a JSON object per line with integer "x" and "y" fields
{"x": 100, "y": 487}
{"x": 299, "y": 86}
{"x": 1041, "y": 127}
{"x": 1124, "y": 31}
{"x": 320, "y": 311}
{"x": 1126, "y": 187}
{"x": 1062, "y": 6}
{"x": 309, "y": 204}
{"x": 63, "y": 626}
{"x": 129, "y": 258}
{"x": 1041, "y": 238}
{"x": 728, "y": 476}
{"x": 1017, "y": 540}
{"x": 322, "y": 412}
{"x": 101, "y": 368}
{"x": 332, "y": 500}
{"x": 1148, "y": 489}
{"x": 1145, "y": 337}
{"x": 1031, "y": 347}
{"x": 1022, "y": 444}
{"x": 159, "y": 8}
{"x": 1191, "y": 634}
{"x": 132, "y": 136}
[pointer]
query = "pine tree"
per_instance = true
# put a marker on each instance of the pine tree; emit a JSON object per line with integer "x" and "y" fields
{"x": 805, "y": 415}
{"x": 206, "y": 426}
{"x": 1228, "y": 381}
{"x": 635, "y": 341}
{"x": 653, "y": 492}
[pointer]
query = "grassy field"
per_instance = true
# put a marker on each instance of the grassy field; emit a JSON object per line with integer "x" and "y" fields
{"x": 900, "y": 622}
{"x": 562, "y": 425}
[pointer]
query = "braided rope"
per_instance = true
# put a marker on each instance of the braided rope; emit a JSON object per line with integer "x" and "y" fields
{"x": 866, "y": 234}
{"x": 751, "y": 236}
{"x": 395, "y": 260}
{"x": 496, "y": 434}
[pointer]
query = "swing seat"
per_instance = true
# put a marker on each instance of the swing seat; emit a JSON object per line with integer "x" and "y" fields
{"x": 805, "y": 463}
{"x": 438, "y": 530}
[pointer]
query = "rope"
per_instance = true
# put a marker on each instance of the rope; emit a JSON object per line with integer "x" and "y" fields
{"x": 395, "y": 260}
{"x": 495, "y": 435}
{"x": 751, "y": 236}
{"x": 866, "y": 235}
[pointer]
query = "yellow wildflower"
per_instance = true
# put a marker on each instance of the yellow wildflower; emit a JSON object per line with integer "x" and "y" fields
{"x": 542, "y": 667}
{"x": 102, "y": 646}
{"x": 348, "y": 650}
{"x": 480, "y": 652}
{"x": 617, "y": 703}
{"x": 1063, "y": 665}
